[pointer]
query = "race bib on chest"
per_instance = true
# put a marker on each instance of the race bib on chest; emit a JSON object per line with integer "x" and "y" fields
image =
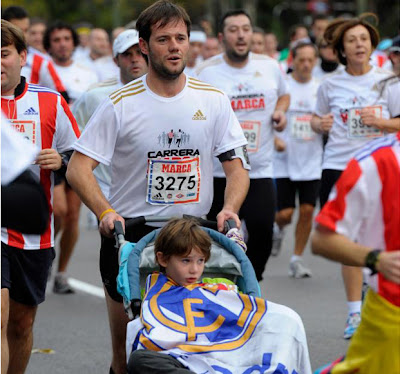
{"x": 356, "y": 128}
{"x": 26, "y": 128}
{"x": 251, "y": 130}
{"x": 300, "y": 127}
{"x": 173, "y": 181}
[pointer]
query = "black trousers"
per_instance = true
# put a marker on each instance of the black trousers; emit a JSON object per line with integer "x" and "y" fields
{"x": 258, "y": 210}
{"x": 150, "y": 362}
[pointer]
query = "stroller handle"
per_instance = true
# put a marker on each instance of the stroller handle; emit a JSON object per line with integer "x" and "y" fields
{"x": 229, "y": 224}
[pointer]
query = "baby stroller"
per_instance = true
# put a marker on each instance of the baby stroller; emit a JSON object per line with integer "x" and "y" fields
{"x": 223, "y": 332}
{"x": 137, "y": 261}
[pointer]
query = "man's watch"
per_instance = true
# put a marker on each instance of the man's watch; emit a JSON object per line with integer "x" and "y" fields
{"x": 372, "y": 259}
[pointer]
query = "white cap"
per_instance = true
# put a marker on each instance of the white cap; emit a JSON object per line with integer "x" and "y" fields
{"x": 198, "y": 36}
{"x": 124, "y": 41}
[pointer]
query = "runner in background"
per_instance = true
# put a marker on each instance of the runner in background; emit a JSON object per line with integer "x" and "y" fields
{"x": 82, "y": 50}
{"x": 211, "y": 48}
{"x": 297, "y": 169}
{"x": 352, "y": 108}
{"x": 131, "y": 65}
{"x": 394, "y": 56}
{"x": 271, "y": 45}
{"x": 35, "y": 35}
{"x": 38, "y": 68}
{"x": 259, "y": 98}
{"x": 163, "y": 179}
{"x": 60, "y": 40}
{"x": 328, "y": 61}
{"x": 258, "y": 41}
{"x": 296, "y": 33}
{"x": 197, "y": 39}
{"x": 318, "y": 27}
{"x": 44, "y": 118}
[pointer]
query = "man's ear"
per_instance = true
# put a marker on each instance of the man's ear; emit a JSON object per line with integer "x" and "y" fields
{"x": 162, "y": 261}
{"x": 144, "y": 47}
{"x": 22, "y": 57}
{"x": 220, "y": 37}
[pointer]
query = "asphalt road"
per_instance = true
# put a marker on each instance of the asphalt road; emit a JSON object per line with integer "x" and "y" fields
{"x": 75, "y": 326}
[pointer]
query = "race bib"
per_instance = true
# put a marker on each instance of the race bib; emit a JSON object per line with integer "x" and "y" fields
{"x": 356, "y": 128}
{"x": 300, "y": 127}
{"x": 251, "y": 130}
{"x": 26, "y": 128}
{"x": 173, "y": 181}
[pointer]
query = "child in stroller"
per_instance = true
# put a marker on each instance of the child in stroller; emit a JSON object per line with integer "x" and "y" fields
{"x": 191, "y": 327}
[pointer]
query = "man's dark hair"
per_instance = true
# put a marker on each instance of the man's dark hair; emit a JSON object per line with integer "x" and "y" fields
{"x": 12, "y": 35}
{"x": 303, "y": 45}
{"x": 160, "y": 14}
{"x": 233, "y": 13}
{"x": 14, "y": 12}
{"x": 37, "y": 21}
{"x": 58, "y": 25}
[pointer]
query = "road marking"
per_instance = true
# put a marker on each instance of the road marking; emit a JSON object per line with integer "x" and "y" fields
{"x": 86, "y": 287}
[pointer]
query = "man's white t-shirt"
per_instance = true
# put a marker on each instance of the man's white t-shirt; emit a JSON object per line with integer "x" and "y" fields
{"x": 302, "y": 158}
{"x": 152, "y": 172}
{"x": 253, "y": 91}
{"x": 345, "y": 95}
{"x": 76, "y": 78}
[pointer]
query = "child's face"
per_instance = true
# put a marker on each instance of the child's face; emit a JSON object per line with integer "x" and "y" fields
{"x": 183, "y": 270}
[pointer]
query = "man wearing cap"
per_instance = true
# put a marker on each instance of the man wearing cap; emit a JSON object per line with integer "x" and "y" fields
{"x": 394, "y": 56}
{"x": 132, "y": 65}
{"x": 197, "y": 39}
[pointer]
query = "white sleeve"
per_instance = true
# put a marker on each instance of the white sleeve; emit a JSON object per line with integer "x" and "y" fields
{"x": 322, "y": 106}
{"x": 67, "y": 130}
{"x": 79, "y": 110}
{"x": 100, "y": 134}
{"x": 283, "y": 87}
{"x": 393, "y": 98}
{"x": 17, "y": 154}
{"x": 229, "y": 134}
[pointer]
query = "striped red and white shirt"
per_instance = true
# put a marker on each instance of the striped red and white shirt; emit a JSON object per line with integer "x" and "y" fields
{"x": 43, "y": 117}
{"x": 40, "y": 70}
{"x": 365, "y": 204}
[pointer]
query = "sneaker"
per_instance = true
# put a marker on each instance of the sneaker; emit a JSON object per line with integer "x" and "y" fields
{"x": 277, "y": 237}
{"x": 297, "y": 269}
{"x": 61, "y": 285}
{"x": 351, "y": 325}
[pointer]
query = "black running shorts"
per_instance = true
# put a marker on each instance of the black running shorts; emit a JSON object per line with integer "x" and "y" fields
{"x": 287, "y": 189}
{"x": 24, "y": 273}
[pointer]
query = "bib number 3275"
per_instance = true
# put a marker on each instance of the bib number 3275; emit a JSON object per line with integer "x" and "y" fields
{"x": 173, "y": 181}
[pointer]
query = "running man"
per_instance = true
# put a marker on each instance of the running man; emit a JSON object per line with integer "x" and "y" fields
{"x": 124, "y": 133}
{"x": 42, "y": 116}
{"x": 297, "y": 169}
{"x": 259, "y": 97}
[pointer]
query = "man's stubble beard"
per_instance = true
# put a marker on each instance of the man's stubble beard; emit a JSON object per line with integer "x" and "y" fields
{"x": 235, "y": 57}
{"x": 162, "y": 71}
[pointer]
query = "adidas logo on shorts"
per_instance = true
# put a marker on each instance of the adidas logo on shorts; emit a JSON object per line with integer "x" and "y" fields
{"x": 157, "y": 197}
{"x": 199, "y": 116}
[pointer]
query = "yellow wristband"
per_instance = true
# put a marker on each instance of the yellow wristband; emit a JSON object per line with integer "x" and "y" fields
{"x": 105, "y": 212}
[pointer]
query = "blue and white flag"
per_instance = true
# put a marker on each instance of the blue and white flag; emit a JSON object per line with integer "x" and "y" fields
{"x": 214, "y": 330}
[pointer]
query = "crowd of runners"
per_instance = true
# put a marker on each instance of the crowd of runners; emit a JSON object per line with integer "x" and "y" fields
{"x": 163, "y": 117}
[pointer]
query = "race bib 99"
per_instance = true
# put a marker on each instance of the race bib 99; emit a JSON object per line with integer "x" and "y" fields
{"x": 251, "y": 130}
{"x": 173, "y": 181}
{"x": 356, "y": 127}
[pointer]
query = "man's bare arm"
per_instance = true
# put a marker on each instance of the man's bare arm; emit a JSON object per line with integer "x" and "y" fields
{"x": 237, "y": 185}
{"x": 80, "y": 177}
{"x": 339, "y": 248}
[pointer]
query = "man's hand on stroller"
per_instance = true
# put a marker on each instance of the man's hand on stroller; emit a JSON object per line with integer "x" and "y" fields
{"x": 224, "y": 215}
{"x": 106, "y": 225}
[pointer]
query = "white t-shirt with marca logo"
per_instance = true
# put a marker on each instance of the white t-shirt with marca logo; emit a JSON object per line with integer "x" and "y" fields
{"x": 253, "y": 91}
{"x": 345, "y": 95}
{"x": 302, "y": 158}
{"x": 161, "y": 149}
